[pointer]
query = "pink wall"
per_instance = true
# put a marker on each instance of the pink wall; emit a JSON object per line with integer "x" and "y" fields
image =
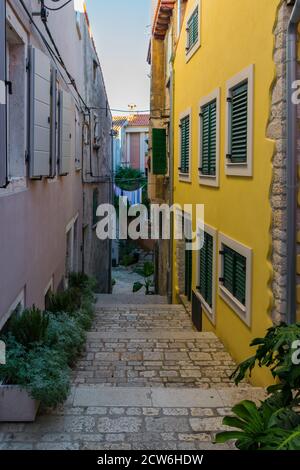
{"x": 32, "y": 237}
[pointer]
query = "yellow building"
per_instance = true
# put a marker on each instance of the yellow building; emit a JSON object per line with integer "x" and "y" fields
{"x": 229, "y": 122}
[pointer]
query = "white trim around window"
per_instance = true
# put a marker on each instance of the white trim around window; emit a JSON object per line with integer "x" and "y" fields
{"x": 209, "y": 180}
{"x": 240, "y": 169}
{"x": 19, "y": 301}
{"x": 189, "y": 53}
{"x": 243, "y": 311}
{"x": 185, "y": 177}
{"x": 208, "y": 310}
{"x": 50, "y": 286}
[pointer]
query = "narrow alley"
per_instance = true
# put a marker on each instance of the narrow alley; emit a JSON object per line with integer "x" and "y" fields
{"x": 147, "y": 380}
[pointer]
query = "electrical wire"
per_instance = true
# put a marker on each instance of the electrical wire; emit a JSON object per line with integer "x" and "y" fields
{"x": 56, "y": 56}
{"x": 58, "y": 8}
{"x": 47, "y": 45}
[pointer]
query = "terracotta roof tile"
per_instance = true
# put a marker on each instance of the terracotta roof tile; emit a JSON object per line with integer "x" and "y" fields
{"x": 139, "y": 120}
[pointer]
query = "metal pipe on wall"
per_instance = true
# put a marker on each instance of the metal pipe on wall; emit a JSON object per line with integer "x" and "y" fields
{"x": 291, "y": 158}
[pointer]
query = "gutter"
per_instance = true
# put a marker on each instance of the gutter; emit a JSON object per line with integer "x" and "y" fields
{"x": 171, "y": 183}
{"x": 291, "y": 158}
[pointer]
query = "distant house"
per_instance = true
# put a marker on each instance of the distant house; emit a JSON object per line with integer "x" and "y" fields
{"x": 131, "y": 141}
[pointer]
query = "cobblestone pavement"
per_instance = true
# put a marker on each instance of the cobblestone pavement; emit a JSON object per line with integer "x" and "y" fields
{"x": 147, "y": 380}
{"x": 143, "y": 345}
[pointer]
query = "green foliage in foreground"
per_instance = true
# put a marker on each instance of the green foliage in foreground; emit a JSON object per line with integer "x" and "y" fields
{"x": 275, "y": 423}
{"x": 42, "y": 346}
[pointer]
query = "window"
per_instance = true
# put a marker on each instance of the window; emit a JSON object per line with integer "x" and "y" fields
{"x": 239, "y": 135}
{"x": 48, "y": 292}
{"x": 235, "y": 267}
{"x": 96, "y": 132}
{"x": 72, "y": 249}
{"x": 185, "y": 146}
{"x": 159, "y": 151}
{"x": 78, "y": 139}
{"x": 193, "y": 32}
{"x": 13, "y": 40}
{"x": 18, "y": 306}
{"x": 95, "y": 69}
{"x": 206, "y": 271}
{"x": 66, "y": 120}
{"x": 209, "y": 139}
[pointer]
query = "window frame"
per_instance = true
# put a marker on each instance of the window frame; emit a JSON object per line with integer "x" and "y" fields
{"x": 240, "y": 169}
{"x": 210, "y": 180}
{"x": 210, "y": 312}
{"x": 185, "y": 177}
{"x": 243, "y": 311}
{"x": 19, "y": 300}
{"x": 16, "y": 182}
{"x": 190, "y": 52}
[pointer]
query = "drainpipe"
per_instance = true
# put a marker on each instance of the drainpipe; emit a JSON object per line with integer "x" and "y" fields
{"x": 291, "y": 157}
{"x": 171, "y": 183}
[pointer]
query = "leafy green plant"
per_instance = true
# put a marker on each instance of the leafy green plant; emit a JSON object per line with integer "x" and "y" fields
{"x": 42, "y": 371}
{"x": 275, "y": 352}
{"x": 147, "y": 272}
{"x": 65, "y": 301}
{"x": 262, "y": 428}
{"x": 128, "y": 260}
{"x": 65, "y": 335}
{"x": 275, "y": 424}
{"x": 42, "y": 345}
{"x": 84, "y": 284}
{"x": 29, "y": 327}
{"x": 129, "y": 179}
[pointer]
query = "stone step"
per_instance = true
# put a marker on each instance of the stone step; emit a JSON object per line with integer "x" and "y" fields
{"x": 99, "y": 395}
{"x": 129, "y": 299}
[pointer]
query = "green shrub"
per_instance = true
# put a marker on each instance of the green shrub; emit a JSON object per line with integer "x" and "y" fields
{"x": 42, "y": 371}
{"x": 48, "y": 376}
{"x": 66, "y": 301}
{"x": 29, "y": 327}
{"x": 275, "y": 424}
{"x": 41, "y": 346}
{"x": 66, "y": 336}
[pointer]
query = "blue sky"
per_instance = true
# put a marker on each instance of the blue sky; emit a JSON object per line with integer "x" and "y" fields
{"x": 122, "y": 37}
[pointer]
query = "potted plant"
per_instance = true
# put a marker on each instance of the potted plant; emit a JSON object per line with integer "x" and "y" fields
{"x": 40, "y": 348}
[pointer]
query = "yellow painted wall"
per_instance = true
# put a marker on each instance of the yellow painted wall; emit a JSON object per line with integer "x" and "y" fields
{"x": 234, "y": 35}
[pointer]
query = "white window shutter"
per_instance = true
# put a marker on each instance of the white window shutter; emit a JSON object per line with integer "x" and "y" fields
{"x": 53, "y": 124}
{"x": 40, "y": 112}
{"x": 65, "y": 133}
{"x": 78, "y": 138}
{"x": 3, "y": 113}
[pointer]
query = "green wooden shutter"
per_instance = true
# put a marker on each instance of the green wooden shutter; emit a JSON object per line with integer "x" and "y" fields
{"x": 228, "y": 269}
{"x": 159, "y": 151}
{"x": 234, "y": 274}
{"x": 239, "y": 124}
{"x": 240, "y": 278}
{"x": 188, "y": 273}
{"x": 206, "y": 269}
{"x": 209, "y": 139}
{"x": 193, "y": 29}
{"x": 185, "y": 144}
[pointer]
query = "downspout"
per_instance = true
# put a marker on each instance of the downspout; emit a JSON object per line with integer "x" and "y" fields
{"x": 171, "y": 183}
{"x": 291, "y": 158}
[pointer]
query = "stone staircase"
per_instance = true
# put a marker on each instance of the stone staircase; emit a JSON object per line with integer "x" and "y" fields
{"x": 146, "y": 380}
